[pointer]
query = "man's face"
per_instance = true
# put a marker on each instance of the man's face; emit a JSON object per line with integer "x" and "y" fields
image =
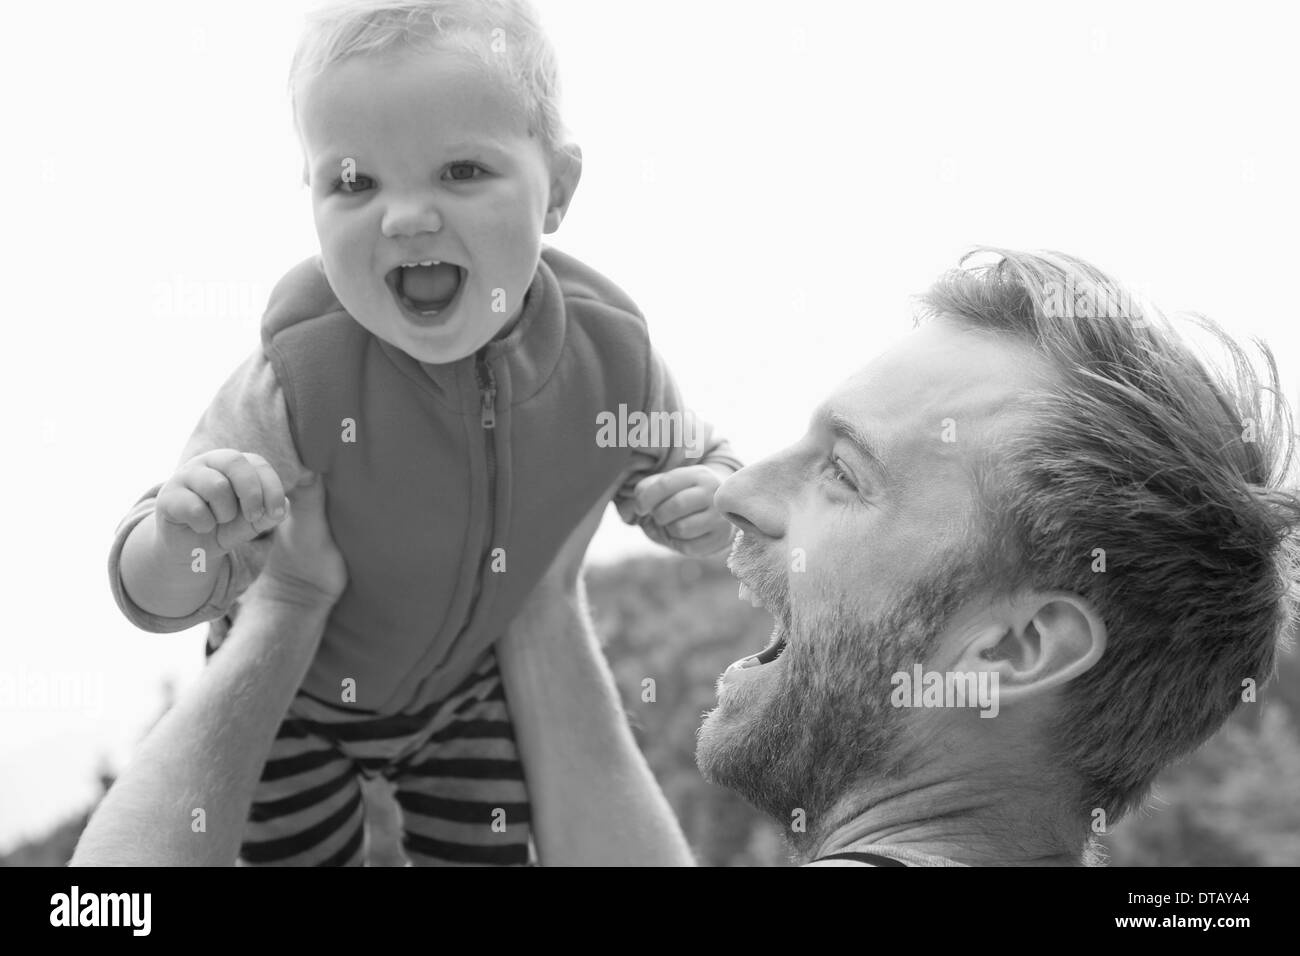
{"x": 852, "y": 539}
{"x": 424, "y": 159}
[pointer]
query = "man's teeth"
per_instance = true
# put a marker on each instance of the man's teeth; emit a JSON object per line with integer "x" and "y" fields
{"x": 747, "y": 595}
{"x": 426, "y": 262}
{"x": 743, "y": 663}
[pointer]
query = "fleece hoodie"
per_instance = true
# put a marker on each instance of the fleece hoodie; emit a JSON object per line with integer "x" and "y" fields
{"x": 449, "y": 487}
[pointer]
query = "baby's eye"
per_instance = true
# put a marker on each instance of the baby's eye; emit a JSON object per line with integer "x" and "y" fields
{"x": 353, "y": 184}
{"x": 462, "y": 172}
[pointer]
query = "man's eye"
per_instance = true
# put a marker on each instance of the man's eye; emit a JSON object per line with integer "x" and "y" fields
{"x": 353, "y": 184}
{"x": 839, "y": 475}
{"x": 462, "y": 172}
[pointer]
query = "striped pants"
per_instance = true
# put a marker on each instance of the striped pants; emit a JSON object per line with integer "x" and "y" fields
{"x": 456, "y": 771}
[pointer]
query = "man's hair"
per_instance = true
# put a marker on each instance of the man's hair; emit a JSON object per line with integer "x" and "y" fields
{"x": 1139, "y": 458}
{"x": 506, "y": 36}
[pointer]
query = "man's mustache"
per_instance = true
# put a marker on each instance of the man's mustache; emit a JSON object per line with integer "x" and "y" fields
{"x": 765, "y": 578}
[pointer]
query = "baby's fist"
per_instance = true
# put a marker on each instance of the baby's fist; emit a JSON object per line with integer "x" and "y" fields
{"x": 217, "y": 501}
{"x": 675, "y": 509}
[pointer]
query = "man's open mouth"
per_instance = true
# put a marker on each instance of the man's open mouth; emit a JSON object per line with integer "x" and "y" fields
{"x": 777, "y": 645}
{"x": 426, "y": 288}
{"x": 774, "y": 650}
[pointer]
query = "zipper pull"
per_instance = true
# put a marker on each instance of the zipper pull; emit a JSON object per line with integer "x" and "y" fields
{"x": 489, "y": 398}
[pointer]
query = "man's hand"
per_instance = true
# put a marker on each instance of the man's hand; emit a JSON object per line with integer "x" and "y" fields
{"x": 676, "y": 510}
{"x": 304, "y": 567}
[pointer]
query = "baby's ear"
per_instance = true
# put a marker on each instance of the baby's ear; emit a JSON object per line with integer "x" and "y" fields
{"x": 566, "y": 170}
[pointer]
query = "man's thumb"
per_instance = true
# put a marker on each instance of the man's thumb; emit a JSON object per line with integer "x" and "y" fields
{"x": 308, "y": 494}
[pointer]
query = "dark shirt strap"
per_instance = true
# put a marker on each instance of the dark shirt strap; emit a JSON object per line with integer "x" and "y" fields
{"x": 872, "y": 858}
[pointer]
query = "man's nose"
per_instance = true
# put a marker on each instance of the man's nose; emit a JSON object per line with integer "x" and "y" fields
{"x": 409, "y": 216}
{"x": 751, "y": 500}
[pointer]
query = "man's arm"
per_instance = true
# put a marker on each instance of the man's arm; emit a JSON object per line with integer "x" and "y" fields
{"x": 207, "y": 752}
{"x": 594, "y": 800}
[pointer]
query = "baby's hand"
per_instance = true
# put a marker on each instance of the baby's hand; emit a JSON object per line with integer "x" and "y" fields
{"x": 676, "y": 510}
{"x": 217, "y": 501}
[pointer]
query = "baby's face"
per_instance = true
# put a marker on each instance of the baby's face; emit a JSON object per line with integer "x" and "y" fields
{"x": 426, "y": 159}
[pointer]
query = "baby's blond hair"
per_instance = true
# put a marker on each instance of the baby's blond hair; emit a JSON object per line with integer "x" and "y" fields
{"x": 505, "y": 35}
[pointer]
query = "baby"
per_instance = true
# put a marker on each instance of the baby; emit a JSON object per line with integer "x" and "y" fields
{"x": 453, "y": 383}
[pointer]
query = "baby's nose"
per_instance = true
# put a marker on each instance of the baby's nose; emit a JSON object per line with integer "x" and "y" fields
{"x": 407, "y": 218}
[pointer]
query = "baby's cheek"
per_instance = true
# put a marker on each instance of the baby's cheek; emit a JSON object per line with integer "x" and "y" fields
{"x": 339, "y": 271}
{"x": 511, "y": 229}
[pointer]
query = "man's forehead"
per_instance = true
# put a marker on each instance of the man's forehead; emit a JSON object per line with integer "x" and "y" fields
{"x": 942, "y": 370}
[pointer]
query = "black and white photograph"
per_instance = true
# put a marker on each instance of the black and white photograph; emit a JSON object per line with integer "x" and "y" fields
{"x": 692, "y": 433}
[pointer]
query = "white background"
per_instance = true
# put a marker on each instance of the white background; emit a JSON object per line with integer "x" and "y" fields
{"x": 770, "y": 181}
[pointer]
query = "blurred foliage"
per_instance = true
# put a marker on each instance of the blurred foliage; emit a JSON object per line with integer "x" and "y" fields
{"x": 1235, "y": 802}
{"x": 679, "y": 623}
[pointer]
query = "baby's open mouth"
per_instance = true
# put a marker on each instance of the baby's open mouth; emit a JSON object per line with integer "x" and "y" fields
{"x": 427, "y": 287}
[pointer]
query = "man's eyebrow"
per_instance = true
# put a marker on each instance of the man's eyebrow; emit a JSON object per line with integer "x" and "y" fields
{"x": 842, "y": 427}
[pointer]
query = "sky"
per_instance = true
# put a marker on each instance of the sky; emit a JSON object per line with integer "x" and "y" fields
{"x": 771, "y": 182}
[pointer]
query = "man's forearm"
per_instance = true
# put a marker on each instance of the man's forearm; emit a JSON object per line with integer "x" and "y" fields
{"x": 160, "y": 584}
{"x": 207, "y": 752}
{"x": 594, "y": 800}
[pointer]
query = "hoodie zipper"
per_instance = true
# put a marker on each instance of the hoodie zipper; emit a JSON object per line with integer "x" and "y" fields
{"x": 487, "y": 384}
{"x": 488, "y": 418}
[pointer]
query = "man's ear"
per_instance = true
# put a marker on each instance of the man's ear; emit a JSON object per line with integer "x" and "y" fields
{"x": 1035, "y": 642}
{"x": 566, "y": 170}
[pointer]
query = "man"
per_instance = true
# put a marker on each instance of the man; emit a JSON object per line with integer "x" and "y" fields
{"x": 1041, "y": 500}
{"x": 1017, "y": 565}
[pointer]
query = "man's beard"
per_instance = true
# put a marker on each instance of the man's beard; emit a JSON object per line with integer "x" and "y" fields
{"x": 825, "y": 723}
